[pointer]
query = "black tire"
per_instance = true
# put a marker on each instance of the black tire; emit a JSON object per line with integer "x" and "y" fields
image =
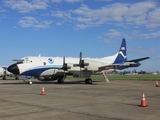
{"x": 60, "y": 80}
{"x": 88, "y": 81}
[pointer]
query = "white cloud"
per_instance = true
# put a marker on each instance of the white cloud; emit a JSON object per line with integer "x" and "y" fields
{"x": 153, "y": 18}
{"x": 104, "y": 0}
{"x": 117, "y": 14}
{"x": 29, "y": 21}
{"x": 100, "y": 16}
{"x": 150, "y": 35}
{"x": 68, "y": 1}
{"x": 25, "y": 6}
{"x": 113, "y": 33}
{"x": 2, "y": 10}
{"x": 65, "y": 16}
{"x": 81, "y": 26}
{"x": 59, "y": 23}
{"x": 73, "y": 1}
{"x": 140, "y": 8}
{"x": 58, "y": 14}
{"x": 56, "y": 1}
{"x": 124, "y": 15}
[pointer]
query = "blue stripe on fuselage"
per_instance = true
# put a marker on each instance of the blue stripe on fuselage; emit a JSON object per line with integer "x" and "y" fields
{"x": 36, "y": 71}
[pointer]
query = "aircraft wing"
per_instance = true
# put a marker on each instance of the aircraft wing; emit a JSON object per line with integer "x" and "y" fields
{"x": 113, "y": 66}
{"x": 123, "y": 65}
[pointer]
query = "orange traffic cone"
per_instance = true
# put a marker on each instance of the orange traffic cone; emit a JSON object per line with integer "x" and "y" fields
{"x": 143, "y": 101}
{"x": 43, "y": 92}
{"x": 156, "y": 83}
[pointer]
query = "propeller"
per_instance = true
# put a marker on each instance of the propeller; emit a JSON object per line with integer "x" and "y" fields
{"x": 81, "y": 64}
{"x": 65, "y": 66}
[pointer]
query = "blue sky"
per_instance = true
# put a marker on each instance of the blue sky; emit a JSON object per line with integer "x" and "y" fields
{"x": 66, "y": 27}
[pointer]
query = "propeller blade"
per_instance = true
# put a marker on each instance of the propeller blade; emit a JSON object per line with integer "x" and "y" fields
{"x": 80, "y": 56}
{"x": 63, "y": 59}
{"x": 81, "y": 64}
{"x": 65, "y": 66}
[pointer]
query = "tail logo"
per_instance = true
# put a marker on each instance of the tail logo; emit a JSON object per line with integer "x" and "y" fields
{"x": 122, "y": 48}
{"x": 122, "y": 54}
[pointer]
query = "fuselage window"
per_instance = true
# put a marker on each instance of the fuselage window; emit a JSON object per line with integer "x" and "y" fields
{"x": 44, "y": 63}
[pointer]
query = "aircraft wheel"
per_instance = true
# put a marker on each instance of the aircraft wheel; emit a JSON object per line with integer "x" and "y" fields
{"x": 88, "y": 81}
{"x": 4, "y": 78}
{"x": 30, "y": 82}
{"x": 60, "y": 80}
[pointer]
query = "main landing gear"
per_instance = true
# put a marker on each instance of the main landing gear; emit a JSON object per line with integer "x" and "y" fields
{"x": 88, "y": 81}
{"x": 4, "y": 77}
{"x": 29, "y": 82}
{"x": 60, "y": 80}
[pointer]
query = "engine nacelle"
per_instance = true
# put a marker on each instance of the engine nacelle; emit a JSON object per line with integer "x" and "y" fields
{"x": 83, "y": 74}
{"x": 53, "y": 72}
{"x": 47, "y": 78}
{"x": 1, "y": 71}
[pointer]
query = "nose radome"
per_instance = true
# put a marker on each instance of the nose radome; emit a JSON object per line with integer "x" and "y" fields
{"x": 14, "y": 69}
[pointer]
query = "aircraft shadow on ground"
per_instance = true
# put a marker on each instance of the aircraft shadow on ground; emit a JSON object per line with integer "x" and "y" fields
{"x": 47, "y": 82}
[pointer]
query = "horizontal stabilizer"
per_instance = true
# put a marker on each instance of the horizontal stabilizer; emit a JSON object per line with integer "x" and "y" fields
{"x": 139, "y": 59}
{"x": 125, "y": 64}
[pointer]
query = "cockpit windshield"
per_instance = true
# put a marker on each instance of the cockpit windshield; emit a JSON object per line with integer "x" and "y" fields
{"x": 26, "y": 60}
{"x": 23, "y": 60}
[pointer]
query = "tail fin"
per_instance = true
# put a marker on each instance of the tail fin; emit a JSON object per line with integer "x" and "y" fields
{"x": 121, "y": 56}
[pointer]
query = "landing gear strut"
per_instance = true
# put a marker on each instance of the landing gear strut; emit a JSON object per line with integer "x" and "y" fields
{"x": 4, "y": 77}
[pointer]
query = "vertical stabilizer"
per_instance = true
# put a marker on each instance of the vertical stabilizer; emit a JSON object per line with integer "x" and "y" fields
{"x": 122, "y": 56}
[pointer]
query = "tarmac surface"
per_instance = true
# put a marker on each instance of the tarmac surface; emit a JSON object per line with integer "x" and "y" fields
{"x": 75, "y": 100}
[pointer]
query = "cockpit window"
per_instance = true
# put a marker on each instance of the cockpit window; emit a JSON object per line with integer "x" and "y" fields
{"x": 26, "y": 60}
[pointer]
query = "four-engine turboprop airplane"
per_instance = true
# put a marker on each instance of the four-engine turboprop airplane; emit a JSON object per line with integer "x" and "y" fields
{"x": 57, "y": 68}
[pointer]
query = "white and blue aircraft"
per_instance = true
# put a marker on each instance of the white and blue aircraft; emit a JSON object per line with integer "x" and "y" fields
{"x": 4, "y": 72}
{"x": 57, "y": 68}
